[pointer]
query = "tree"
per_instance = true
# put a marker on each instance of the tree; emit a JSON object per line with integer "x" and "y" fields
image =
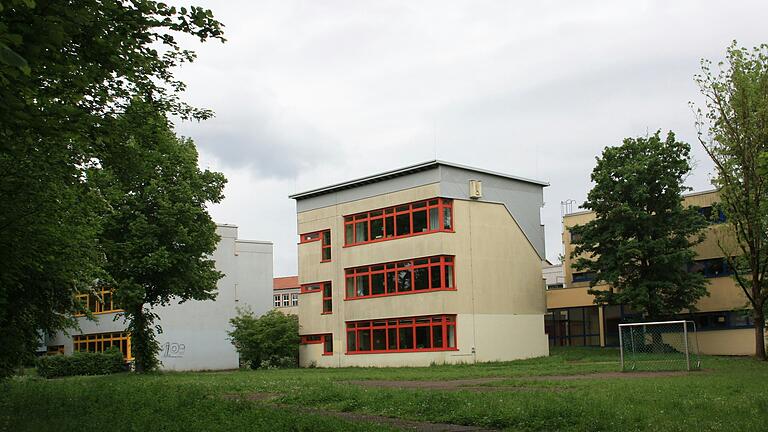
{"x": 641, "y": 238}
{"x": 66, "y": 70}
{"x": 734, "y": 132}
{"x": 272, "y": 338}
{"x": 158, "y": 235}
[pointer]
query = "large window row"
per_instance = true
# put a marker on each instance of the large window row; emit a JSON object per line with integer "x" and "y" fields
{"x": 97, "y": 302}
{"x": 101, "y": 342}
{"x": 286, "y": 299}
{"x": 404, "y": 277}
{"x": 400, "y": 221}
{"x": 428, "y": 333}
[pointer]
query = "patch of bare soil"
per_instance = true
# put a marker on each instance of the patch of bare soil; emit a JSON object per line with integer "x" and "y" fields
{"x": 257, "y": 396}
{"x": 606, "y": 375}
{"x": 394, "y": 422}
{"x": 475, "y": 385}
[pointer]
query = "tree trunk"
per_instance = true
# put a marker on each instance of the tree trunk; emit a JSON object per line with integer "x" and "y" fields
{"x": 136, "y": 338}
{"x": 759, "y": 316}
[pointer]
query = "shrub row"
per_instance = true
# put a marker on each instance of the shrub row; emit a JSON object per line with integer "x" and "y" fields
{"x": 81, "y": 363}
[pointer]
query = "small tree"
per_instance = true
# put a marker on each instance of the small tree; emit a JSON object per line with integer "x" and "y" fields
{"x": 158, "y": 236}
{"x": 641, "y": 238}
{"x": 734, "y": 132}
{"x": 272, "y": 338}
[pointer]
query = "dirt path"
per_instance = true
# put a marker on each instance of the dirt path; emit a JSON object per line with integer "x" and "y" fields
{"x": 476, "y": 384}
{"x": 403, "y": 424}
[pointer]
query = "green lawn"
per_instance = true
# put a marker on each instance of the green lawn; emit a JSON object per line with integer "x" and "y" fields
{"x": 730, "y": 394}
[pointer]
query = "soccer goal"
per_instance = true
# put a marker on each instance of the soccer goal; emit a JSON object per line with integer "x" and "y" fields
{"x": 663, "y": 345}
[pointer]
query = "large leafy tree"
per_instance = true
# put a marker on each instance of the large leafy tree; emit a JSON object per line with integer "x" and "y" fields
{"x": 66, "y": 69}
{"x": 158, "y": 235}
{"x": 272, "y": 338}
{"x": 734, "y": 131}
{"x": 640, "y": 242}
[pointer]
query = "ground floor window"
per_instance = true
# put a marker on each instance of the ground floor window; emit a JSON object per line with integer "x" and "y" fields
{"x": 578, "y": 326}
{"x": 426, "y": 333}
{"x": 101, "y": 342}
{"x": 325, "y": 339}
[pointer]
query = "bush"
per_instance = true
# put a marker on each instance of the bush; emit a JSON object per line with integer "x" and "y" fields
{"x": 81, "y": 363}
{"x": 270, "y": 341}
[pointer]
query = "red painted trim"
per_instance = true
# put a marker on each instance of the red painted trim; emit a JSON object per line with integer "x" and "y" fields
{"x": 444, "y": 261}
{"x": 387, "y": 212}
{"x": 306, "y": 290}
{"x": 445, "y": 321}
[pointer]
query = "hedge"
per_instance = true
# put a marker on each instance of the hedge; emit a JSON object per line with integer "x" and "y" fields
{"x": 81, "y": 363}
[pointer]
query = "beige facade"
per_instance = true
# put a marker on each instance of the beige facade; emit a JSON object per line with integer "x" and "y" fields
{"x": 723, "y": 327}
{"x": 498, "y": 301}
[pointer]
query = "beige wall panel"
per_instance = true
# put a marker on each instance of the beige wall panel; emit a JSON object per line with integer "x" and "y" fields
{"x": 724, "y": 294}
{"x": 509, "y": 337}
{"x": 727, "y": 342}
{"x": 569, "y": 297}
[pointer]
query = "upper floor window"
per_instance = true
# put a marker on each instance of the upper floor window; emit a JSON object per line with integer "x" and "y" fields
{"x": 324, "y": 237}
{"x": 583, "y": 276}
{"x": 707, "y": 212}
{"x": 711, "y": 268}
{"x": 404, "y": 277}
{"x": 97, "y": 302}
{"x": 276, "y": 300}
{"x": 399, "y": 221}
{"x": 327, "y": 298}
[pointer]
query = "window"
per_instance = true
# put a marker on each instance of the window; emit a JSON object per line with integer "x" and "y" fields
{"x": 326, "y": 246}
{"x": 583, "y": 277}
{"x": 101, "y": 342}
{"x": 711, "y": 268}
{"x": 579, "y": 326}
{"x": 707, "y": 213}
{"x": 400, "y": 221}
{"x": 276, "y": 299}
{"x": 310, "y": 237}
{"x": 427, "y": 333}
{"x": 327, "y": 298}
{"x": 294, "y": 299}
{"x": 575, "y": 237}
{"x": 54, "y": 350}
{"x": 286, "y": 300}
{"x": 720, "y": 320}
{"x": 311, "y": 287}
{"x": 325, "y": 339}
{"x": 403, "y": 277}
{"x": 97, "y": 302}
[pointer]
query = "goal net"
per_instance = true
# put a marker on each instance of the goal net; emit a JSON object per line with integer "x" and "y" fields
{"x": 664, "y": 345}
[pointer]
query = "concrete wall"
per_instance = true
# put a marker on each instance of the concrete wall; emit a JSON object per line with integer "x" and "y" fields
{"x": 499, "y": 297}
{"x": 195, "y": 332}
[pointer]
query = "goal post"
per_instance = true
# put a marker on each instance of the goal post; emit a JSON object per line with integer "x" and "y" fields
{"x": 660, "y": 345}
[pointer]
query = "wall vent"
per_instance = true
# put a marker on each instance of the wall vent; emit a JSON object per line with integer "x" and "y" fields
{"x": 475, "y": 189}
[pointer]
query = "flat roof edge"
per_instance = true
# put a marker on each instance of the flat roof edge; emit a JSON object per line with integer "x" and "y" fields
{"x": 374, "y": 178}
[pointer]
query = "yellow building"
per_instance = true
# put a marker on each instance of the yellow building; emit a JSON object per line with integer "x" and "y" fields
{"x": 722, "y": 324}
{"x": 431, "y": 263}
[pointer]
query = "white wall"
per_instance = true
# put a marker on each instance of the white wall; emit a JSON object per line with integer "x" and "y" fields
{"x": 194, "y": 333}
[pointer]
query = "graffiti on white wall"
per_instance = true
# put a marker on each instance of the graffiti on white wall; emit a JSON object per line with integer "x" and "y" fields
{"x": 173, "y": 350}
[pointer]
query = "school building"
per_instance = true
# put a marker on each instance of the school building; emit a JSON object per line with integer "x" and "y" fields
{"x": 194, "y": 333}
{"x": 285, "y": 294}
{"x": 724, "y": 326}
{"x": 432, "y": 263}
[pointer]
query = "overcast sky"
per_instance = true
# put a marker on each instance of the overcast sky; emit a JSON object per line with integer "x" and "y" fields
{"x": 310, "y": 93}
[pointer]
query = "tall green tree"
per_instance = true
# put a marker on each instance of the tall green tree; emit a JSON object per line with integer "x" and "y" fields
{"x": 733, "y": 129}
{"x": 158, "y": 236}
{"x": 67, "y": 69}
{"x": 640, "y": 242}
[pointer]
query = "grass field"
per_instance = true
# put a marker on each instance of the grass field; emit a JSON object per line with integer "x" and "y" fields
{"x": 537, "y": 394}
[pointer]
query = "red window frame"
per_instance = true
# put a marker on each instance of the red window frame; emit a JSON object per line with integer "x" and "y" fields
{"x": 400, "y": 277}
{"x": 327, "y": 298}
{"x": 312, "y": 287}
{"x": 326, "y": 339}
{"x": 325, "y": 246}
{"x": 388, "y": 218}
{"x": 385, "y": 335}
{"x": 324, "y": 237}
